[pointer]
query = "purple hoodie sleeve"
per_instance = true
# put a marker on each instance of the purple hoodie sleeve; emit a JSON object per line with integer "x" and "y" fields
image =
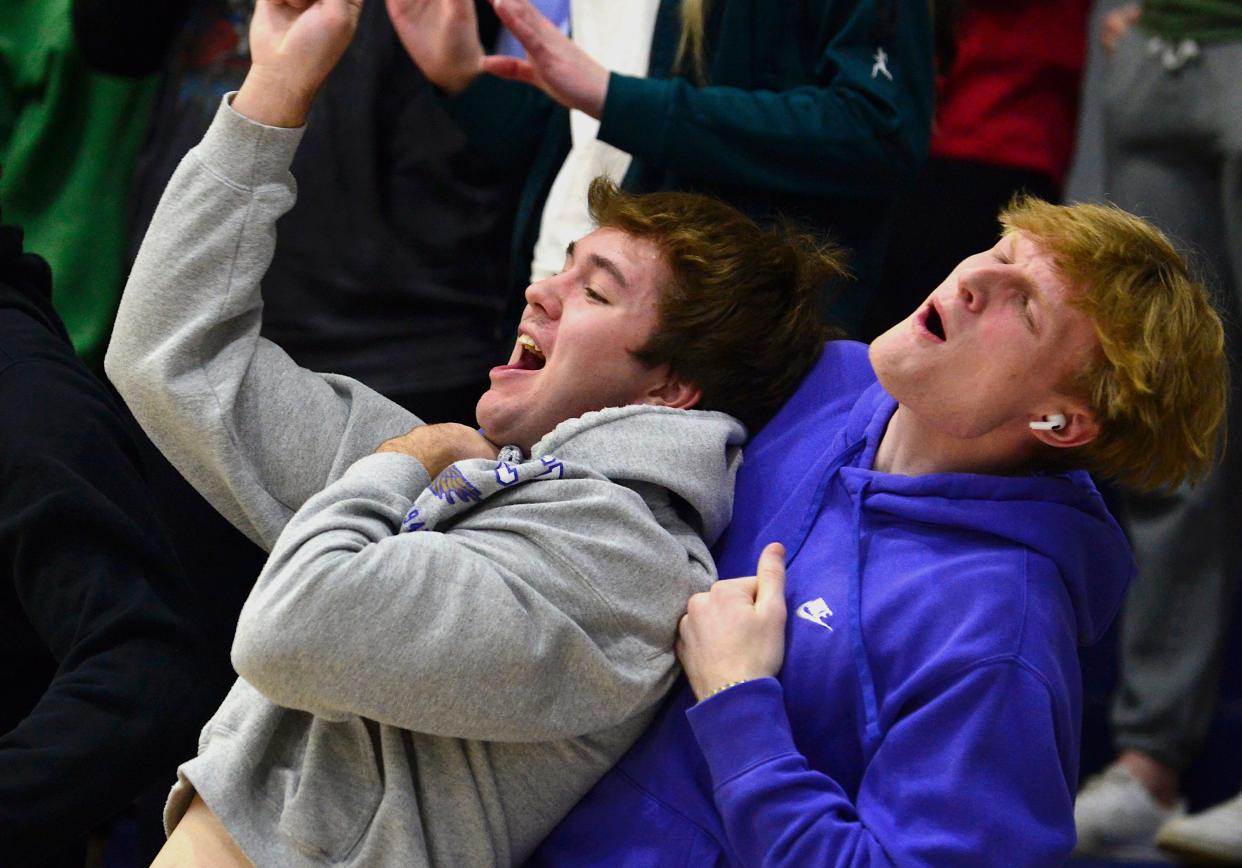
{"x": 972, "y": 775}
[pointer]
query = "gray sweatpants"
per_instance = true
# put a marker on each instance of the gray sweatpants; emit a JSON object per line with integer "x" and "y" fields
{"x": 1174, "y": 155}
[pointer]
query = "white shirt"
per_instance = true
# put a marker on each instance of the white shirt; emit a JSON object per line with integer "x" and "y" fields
{"x": 618, "y": 36}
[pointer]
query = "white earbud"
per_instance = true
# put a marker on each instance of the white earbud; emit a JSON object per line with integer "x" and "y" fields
{"x": 1055, "y": 422}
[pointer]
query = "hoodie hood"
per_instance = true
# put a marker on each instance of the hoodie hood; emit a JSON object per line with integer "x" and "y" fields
{"x": 26, "y": 282}
{"x": 1060, "y": 516}
{"x": 694, "y": 454}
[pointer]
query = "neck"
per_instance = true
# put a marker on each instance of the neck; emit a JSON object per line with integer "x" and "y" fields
{"x": 910, "y": 448}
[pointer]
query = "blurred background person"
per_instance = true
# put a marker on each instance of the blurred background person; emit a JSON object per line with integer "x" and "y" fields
{"x": 1172, "y": 111}
{"x": 69, "y": 136}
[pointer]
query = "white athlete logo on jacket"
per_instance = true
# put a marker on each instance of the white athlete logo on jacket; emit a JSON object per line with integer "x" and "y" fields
{"x": 816, "y": 611}
{"x": 880, "y": 67}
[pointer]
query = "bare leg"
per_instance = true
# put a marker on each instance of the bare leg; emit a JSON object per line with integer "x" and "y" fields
{"x": 200, "y": 841}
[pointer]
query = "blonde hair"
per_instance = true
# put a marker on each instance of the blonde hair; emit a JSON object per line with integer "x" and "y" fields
{"x": 1159, "y": 385}
{"x": 691, "y": 47}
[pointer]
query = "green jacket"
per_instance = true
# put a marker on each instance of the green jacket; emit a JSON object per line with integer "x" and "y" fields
{"x": 1204, "y": 20}
{"x": 798, "y": 118}
{"x": 68, "y": 141}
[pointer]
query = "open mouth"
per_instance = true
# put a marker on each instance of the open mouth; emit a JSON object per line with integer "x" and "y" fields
{"x": 531, "y": 357}
{"x": 933, "y": 322}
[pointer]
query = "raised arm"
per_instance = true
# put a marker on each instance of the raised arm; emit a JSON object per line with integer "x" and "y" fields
{"x": 859, "y": 128}
{"x": 256, "y": 434}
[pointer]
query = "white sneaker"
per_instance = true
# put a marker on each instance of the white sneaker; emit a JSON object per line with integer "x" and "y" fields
{"x": 1214, "y": 835}
{"x": 1117, "y": 818}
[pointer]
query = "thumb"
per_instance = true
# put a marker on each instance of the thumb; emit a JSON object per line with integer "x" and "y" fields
{"x": 770, "y": 573}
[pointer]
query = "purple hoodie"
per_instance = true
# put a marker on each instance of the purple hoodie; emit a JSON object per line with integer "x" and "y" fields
{"x": 928, "y": 709}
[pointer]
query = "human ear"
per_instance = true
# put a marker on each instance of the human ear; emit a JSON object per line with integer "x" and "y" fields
{"x": 673, "y": 391}
{"x": 1077, "y": 427}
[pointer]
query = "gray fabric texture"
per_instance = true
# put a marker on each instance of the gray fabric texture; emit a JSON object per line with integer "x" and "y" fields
{"x": 1174, "y": 139}
{"x": 433, "y": 671}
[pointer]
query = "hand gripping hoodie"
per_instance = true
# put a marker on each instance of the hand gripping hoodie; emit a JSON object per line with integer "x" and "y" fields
{"x": 927, "y": 712}
{"x": 433, "y": 671}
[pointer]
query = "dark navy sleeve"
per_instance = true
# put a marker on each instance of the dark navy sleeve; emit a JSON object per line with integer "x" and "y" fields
{"x": 92, "y": 583}
{"x": 972, "y": 776}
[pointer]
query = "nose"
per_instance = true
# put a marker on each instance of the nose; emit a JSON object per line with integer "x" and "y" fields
{"x": 977, "y": 287}
{"x": 546, "y": 296}
{"x": 968, "y": 291}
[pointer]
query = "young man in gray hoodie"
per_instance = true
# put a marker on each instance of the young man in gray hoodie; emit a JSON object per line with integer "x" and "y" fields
{"x": 448, "y": 645}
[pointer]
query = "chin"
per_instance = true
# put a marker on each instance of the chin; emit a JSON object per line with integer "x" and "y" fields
{"x": 502, "y": 433}
{"x": 480, "y": 409}
{"x": 885, "y": 355}
{"x": 490, "y": 420}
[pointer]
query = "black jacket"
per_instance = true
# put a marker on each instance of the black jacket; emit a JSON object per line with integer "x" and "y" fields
{"x": 104, "y": 685}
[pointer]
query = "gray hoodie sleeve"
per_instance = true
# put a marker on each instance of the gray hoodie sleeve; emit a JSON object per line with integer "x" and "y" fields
{"x": 549, "y": 614}
{"x": 252, "y": 431}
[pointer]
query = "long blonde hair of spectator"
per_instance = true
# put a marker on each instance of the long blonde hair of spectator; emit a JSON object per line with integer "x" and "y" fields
{"x": 691, "y": 52}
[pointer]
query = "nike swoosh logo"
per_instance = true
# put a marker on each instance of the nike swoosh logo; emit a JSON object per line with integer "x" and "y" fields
{"x": 816, "y": 611}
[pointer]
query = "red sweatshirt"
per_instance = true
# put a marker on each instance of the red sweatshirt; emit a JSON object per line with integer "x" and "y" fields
{"x": 1011, "y": 97}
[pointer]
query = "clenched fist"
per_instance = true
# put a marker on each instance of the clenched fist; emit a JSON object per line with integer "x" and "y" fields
{"x": 294, "y": 44}
{"x": 736, "y": 630}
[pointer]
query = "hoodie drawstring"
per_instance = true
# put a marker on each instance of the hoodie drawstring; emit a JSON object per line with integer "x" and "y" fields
{"x": 794, "y": 545}
{"x": 865, "y": 682}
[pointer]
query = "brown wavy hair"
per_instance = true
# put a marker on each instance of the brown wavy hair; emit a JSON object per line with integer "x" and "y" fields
{"x": 741, "y": 316}
{"x": 1159, "y": 387}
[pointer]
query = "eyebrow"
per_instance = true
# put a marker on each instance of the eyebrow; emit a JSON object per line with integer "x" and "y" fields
{"x": 603, "y": 264}
{"x": 1033, "y": 289}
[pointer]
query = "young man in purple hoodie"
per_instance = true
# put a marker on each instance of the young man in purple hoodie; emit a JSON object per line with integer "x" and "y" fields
{"x": 945, "y": 553}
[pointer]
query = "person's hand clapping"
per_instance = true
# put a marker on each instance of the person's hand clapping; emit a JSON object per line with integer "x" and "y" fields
{"x": 294, "y": 44}
{"x": 438, "y": 446}
{"x": 736, "y": 631}
{"x": 442, "y": 38}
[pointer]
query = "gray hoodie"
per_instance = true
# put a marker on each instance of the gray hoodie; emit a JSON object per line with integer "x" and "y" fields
{"x": 433, "y": 671}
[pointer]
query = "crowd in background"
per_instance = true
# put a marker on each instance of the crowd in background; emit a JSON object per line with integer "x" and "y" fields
{"x": 424, "y": 209}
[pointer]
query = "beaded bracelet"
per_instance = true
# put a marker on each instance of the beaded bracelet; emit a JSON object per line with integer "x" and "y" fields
{"x": 726, "y": 687}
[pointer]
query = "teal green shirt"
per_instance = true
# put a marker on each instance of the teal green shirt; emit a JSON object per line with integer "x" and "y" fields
{"x": 1201, "y": 20}
{"x": 68, "y": 141}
